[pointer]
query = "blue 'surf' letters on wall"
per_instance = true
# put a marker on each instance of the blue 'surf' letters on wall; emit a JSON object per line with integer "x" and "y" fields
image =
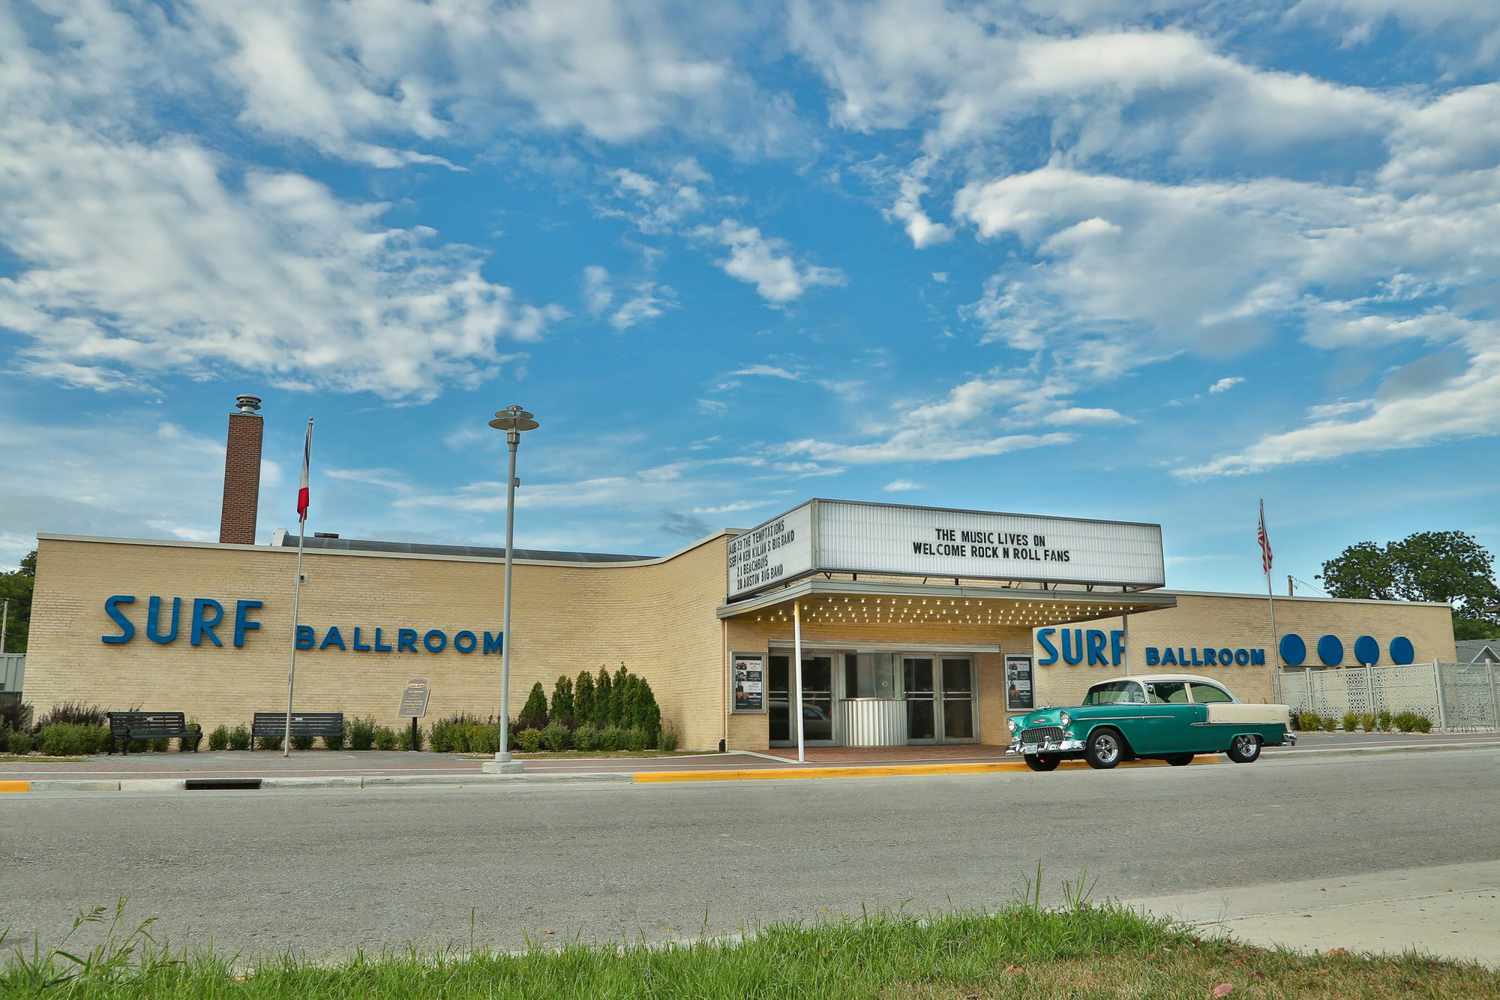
{"x": 207, "y": 616}
{"x": 1099, "y": 648}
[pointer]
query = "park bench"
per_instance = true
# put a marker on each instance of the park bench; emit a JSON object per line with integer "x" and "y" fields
{"x": 136, "y": 725}
{"x": 272, "y": 725}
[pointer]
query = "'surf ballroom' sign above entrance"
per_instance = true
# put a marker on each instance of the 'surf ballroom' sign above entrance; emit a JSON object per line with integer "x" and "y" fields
{"x": 848, "y": 537}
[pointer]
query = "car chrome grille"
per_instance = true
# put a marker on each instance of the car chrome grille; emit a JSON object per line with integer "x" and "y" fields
{"x": 1042, "y": 734}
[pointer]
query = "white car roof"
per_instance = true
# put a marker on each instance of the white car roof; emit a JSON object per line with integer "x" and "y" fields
{"x": 1154, "y": 678}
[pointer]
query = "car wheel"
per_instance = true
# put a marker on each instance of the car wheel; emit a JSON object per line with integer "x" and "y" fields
{"x": 1245, "y": 749}
{"x": 1180, "y": 759}
{"x": 1042, "y": 762}
{"x": 1104, "y": 749}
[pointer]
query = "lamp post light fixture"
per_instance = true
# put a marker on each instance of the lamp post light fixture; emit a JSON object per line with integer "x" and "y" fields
{"x": 512, "y": 420}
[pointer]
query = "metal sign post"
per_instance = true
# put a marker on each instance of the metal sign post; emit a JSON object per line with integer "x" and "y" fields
{"x": 414, "y": 705}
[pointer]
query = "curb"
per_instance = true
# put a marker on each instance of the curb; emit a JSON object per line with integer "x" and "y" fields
{"x": 879, "y": 770}
{"x": 373, "y": 781}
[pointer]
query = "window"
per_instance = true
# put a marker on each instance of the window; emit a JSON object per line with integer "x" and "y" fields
{"x": 870, "y": 675}
{"x": 1209, "y": 694}
{"x": 1115, "y": 693}
{"x": 1168, "y": 693}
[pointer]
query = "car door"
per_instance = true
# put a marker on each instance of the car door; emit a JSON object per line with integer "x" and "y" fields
{"x": 1215, "y": 737}
{"x": 1168, "y": 720}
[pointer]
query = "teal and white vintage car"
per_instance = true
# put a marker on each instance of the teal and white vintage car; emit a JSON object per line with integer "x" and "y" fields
{"x": 1170, "y": 717}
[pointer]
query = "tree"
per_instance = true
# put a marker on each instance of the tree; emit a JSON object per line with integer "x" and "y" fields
{"x": 562, "y": 702}
{"x": 583, "y": 697}
{"x": 534, "y": 714}
{"x": 16, "y": 587}
{"x": 1449, "y": 567}
{"x": 602, "y": 698}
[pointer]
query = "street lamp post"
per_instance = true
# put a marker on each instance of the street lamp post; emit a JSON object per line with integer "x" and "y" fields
{"x": 512, "y": 420}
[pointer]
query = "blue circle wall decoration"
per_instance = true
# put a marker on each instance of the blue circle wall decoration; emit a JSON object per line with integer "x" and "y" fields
{"x": 1401, "y": 650}
{"x": 1331, "y": 650}
{"x": 1294, "y": 650}
{"x": 1367, "y": 650}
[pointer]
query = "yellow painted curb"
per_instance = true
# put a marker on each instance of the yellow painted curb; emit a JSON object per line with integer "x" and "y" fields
{"x": 14, "y": 786}
{"x": 869, "y": 771}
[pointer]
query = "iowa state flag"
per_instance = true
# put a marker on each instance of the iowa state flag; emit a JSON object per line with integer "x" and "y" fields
{"x": 302, "y": 494}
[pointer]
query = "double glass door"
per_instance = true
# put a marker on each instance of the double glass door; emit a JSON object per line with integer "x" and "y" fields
{"x": 939, "y": 698}
{"x": 817, "y": 699}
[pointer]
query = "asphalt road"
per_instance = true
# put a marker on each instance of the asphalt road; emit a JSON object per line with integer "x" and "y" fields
{"x": 325, "y": 871}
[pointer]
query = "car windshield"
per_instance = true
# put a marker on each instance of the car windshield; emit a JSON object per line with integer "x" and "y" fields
{"x": 1115, "y": 693}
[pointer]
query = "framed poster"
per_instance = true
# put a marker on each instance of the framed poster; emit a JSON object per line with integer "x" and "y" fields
{"x": 1018, "y": 694}
{"x": 747, "y": 682}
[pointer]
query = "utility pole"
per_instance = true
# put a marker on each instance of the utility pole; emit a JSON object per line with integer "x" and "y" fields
{"x": 4, "y": 623}
{"x": 1291, "y": 587}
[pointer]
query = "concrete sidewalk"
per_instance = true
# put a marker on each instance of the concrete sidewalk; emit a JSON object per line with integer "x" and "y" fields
{"x": 1451, "y": 911}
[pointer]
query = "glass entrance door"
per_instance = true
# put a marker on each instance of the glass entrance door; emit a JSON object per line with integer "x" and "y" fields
{"x": 817, "y": 700}
{"x": 958, "y": 699}
{"x": 921, "y": 707}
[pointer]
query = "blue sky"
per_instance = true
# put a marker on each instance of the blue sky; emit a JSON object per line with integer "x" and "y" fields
{"x": 1057, "y": 258}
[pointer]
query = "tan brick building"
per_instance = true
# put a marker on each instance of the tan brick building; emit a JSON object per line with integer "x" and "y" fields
{"x": 895, "y": 648}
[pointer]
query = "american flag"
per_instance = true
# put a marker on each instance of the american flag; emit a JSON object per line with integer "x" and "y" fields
{"x": 1264, "y": 540}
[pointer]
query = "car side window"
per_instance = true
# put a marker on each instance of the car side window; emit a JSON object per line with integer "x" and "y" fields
{"x": 1209, "y": 694}
{"x": 1114, "y": 693}
{"x": 1168, "y": 693}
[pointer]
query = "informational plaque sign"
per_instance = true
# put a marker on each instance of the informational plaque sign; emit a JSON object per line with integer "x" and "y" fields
{"x": 748, "y": 681}
{"x": 414, "y": 699}
{"x": 1018, "y": 696}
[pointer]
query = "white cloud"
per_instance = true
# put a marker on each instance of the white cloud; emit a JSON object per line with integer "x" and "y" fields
{"x": 712, "y": 407}
{"x": 902, "y": 486}
{"x": 734, "y": 507}
{"x": 767, "y": 263}
{"x": 769, "y": 371}
{"x": 643, "y": 300}
{"x": 915, "y": 446}
{"x": 597, "y": 293}
{"x": 385, "y": 479}
{"x": 1069, "y": 416}
{"x": 1225, "y": 384}
{"x": 656, "y": 206}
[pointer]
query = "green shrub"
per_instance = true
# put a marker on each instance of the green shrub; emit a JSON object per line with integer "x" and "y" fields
{"x": 1383, "y": 720}
{"x": 586, "y": 737}
{"x": 562, "y": 710}
{"x": 20, "y": 743}
{"x": 1330, "y": 724}
{"x": 74, "y": 713}
{"x": 556, "y": 736}
{"x": 66, "y": 739}
{"x": 385, "y": 738}
{"x": 1309, "y": 722}
{"x": 612, "y": 738}
{"x": 583, "y": 698}
{"x": 484, "y": 737}
{"x": 534, "y": 714}
{"x": 219, "y": 738}
{"x": 667, "y": 738}
{"x": 301, "y": 741}
{"x": 1422, "y": 724}
{"x": 442, "y": 736}
{"x": 15, "y": 714}
{"x": 268, "y": 742}
{"x": 1412, "y": 722}
{"x": 1367, "y": 721}
{"x": 337, "y": 740}
{"x": 404, "y": 739}
{"x": 603, "y": 697}
{"x": 239, "y": 738}
{"x": 4, "y": 738}
{"x": 529, "y": 740}
{"x": 637, "y": 739}
{"x": 1351, "y": 722}
{"x": 362, "y": 734}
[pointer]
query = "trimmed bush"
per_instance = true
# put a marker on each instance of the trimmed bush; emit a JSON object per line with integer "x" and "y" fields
{"x": 219, "y": 738}
{"x": 239, "y": 738}
{"x": 1330, "y": 724}
{"x": 667, "y": 738}
{"x": 612, "y": 738}
{"x": 268, "y": 742}
{"x": 362, "y": 734}
{"x": 1367, "y": 721}
{"x": 583, "y": 698}
{"x": 1309, "y": 722}
{"x": 556, "y": 736}
{"x": 404, "y": 739}
{"x": 534, "y": 714}
{"x": 20, "y": 743}
{"x": 636, "y": 738}
{"x": 1422, "y": 724}
{"x": 67, "y": 739}
{"x": 1351, "y": 722}
{"x": 1412, "y": 722}
{"x": 586, "y": 737}
{"x": 529, "y": 740}
{"x": 302, "y": 741}
{"x": 1383, "y": 719}
{"x": 338, "y": 739}
{"x": 484, "y": 737}
{"x": 385, "y": 738}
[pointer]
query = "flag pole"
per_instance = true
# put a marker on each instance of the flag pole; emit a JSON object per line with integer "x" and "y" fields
{"x": 1271, "y": 605}
{"x": 291, "y": 670}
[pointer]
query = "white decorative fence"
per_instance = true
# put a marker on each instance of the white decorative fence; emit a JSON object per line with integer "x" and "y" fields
{"x": 1457, "y": 697}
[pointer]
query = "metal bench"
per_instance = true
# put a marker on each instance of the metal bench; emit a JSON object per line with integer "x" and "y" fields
{"x": 272, "y": 725}
{"x": 134, "y": 725}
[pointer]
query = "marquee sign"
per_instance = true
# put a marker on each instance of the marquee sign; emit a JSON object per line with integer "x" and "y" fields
{"x": 850, "y": 537}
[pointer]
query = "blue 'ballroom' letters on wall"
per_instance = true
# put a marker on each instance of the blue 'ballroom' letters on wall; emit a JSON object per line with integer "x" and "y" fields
{"x": 207, "y": 617}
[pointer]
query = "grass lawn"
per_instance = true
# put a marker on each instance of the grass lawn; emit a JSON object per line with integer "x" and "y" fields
{"x": 566, "y": 754}
{"x": 1022, "y": 952}
{"x": 9, "y": 758}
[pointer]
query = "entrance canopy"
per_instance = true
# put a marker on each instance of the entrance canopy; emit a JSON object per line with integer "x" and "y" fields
{"x": 859, "y": 602}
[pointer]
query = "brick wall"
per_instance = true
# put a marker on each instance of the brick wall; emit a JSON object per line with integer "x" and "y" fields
{"x": 658, "y": 619}
{"x": 241, "y": 479}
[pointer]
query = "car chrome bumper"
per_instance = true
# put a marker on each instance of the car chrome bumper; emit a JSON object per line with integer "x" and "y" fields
{"x": 1050, "y": 746}
{"x": 1290, "y": 739}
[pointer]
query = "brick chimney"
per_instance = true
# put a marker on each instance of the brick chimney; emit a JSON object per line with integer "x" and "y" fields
{"x": 241, "y": 473}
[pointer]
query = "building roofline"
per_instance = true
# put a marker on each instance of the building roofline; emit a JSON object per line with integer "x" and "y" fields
{"x": 1316, "y": 600}
{"x": 173, "y": 543}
